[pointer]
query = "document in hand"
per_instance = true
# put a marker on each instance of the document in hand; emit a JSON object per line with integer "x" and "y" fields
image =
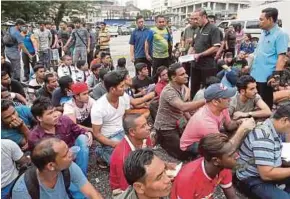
{"x": 186, "y": 58}
{"x": 286, "y": 151}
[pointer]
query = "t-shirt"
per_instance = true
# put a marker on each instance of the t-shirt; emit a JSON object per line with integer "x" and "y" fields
{"x": 199, "y": 95}
{"x": 59, "y": 98}
{"x": 53, "y": 33}
{"x": 18, "y": 39}
{"x": 34, "y": 86}
{"x": 167, "y": 115}
{"x": 111, "y": 119}
{"x": 24, "y": 112}
{"x": 231, "y": 39}
{"x": 139, "y": 84}
{"x": 16, "y": 87}
{"x": 202, "y": 123}
{"x": 98, "y": 91}
{"x": 159, "y": 40}
{"x": 237, "y": 105}
{"x": 63, "y": 35}
{"x": 103, "y": 35}
{"x": 58, "y": 192}
{"x": 44, "y": 38}
{"x": 189, "y": 33}
{"x": 81, "y": 114}
{"x": 192, "y": 181}
{"x": 10, "y": 153}
{"x": 81, "y": 36}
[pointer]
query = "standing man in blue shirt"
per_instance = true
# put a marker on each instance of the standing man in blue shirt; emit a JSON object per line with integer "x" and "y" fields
{"x": 269, "y": 57}
{"x": 12, "y": 48}
{"x": 137, "y": 43}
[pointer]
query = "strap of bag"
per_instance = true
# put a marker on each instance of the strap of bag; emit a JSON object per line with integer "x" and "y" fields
{"x": 66, "y": 179}
{"x": 31, "y": 182}
{"x": 81, "y": 38}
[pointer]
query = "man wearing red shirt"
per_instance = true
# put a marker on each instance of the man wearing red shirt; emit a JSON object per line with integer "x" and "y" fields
{"x": 162, "y": 75}
{"x": 198, "y": 179}
{"x": 137, "y": 133}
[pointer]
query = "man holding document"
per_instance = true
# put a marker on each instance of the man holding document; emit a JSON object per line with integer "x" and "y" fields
{"x": 262, "y": 158}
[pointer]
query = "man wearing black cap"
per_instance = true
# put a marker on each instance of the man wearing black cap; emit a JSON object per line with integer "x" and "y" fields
{"x": 212, "y": 117}
{"x": 12, "y": 41}
{"x": 142, "y": 80}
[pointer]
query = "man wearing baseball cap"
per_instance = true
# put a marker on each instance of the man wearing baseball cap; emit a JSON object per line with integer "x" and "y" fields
{"x": 212, "y": 117}
{"x": 78, "y": 109}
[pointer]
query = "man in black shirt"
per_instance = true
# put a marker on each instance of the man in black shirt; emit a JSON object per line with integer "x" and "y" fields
{"x": 50, "y": 84}
{"x": 11, "y": 84}
{"x": 6, "y": 66}
{"x": 207, "y": 43}
{"x": 142, "y": 80}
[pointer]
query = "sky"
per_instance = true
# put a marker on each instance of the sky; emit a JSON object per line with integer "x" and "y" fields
{"x": 142, "y": 4}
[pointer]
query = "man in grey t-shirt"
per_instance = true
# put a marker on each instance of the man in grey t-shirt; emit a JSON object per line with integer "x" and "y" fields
{"x": 247, "y": 103}
{"x": 82, "y": 42}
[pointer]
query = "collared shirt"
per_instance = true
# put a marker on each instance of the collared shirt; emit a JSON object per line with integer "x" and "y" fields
{"x": 271, "y": 44}
{"x": 263, "y": 147}
{"x": 137, "y": 39}
{"x": 65, "y": 130}
{"x": 192, "y": 181}
{"x": 207, "y": 37}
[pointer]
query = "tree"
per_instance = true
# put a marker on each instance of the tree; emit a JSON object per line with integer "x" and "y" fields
{"x": 33, "y": 11}
{"x": 147, "y": 14}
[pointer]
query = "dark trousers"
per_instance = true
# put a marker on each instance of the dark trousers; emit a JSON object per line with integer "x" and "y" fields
{"x": 157, "y": 62}
{"x": 26, "y": 63}
{"x": 90, "y": 57}
{"x": 199, "y": 76}
{"x": 144, "y": 60}
{"x": 266, "y": 93}
{"x": 169, "y": 140}
{"x": 259, "y": 189}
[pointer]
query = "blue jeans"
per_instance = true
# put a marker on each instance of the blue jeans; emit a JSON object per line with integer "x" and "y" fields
{"x": 82, "y": 159}
{"x": 105, "y": 152}
{"x": 5, "y": 191}
{"x": 268, "y": 189}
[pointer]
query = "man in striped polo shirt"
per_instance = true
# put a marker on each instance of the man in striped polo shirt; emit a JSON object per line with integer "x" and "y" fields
{"x": 104, "y": 38}
{"x": 260, "y": 164}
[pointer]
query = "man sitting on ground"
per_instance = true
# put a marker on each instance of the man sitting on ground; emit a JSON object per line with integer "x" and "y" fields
{"x": 78, "y": 109}
{"x": 212, "y": 118}
{"x": 16, "y": 98}
{"x": 209, "y": 81}
{"x": 107, "y": 116}
{"x": 94, "y": 77}
{"x": 99, "y": 90}
{"x": 146, "y": 175}
{"x": 162, "y": 75}
{"x": 142, "y": 80}
{"x": 248, "y": 103}
{"x": 261, "y": 170}
{"x": 50, "y": 84}
{"x": 137, "y": 132}
{"x": 11, "y": 84}
{"x": 51, "y": 124}
{"x": 173, "y": 112}
{"x": 63, "y": 93}
{"x": 37, "y": 82}
{"x": 54, "y": 165}
{"x": 10, "y": 154}
{"x": 16, "y": 122}
{"x": 199, "y": 179}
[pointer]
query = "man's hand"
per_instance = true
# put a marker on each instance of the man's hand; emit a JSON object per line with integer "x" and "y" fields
{"x": 148, "y": 58}
{"x": 151, "y": 95}
{"x": 133, "y": 59}
{"x": 248, "y": 124}
{"x": 64, "y": 48}
{"x": 237, "y": 115}
{"x": 24, "y": 147}
{"x": 197, "y": 56}
{"x": 88, "y": 50}
{"x": 16, "y": 123}
{"x": 90, "y": 138}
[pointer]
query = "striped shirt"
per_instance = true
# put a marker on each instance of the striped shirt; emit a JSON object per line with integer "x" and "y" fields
{"x": 262, "y": 147}
{"x": 103, "y": 36}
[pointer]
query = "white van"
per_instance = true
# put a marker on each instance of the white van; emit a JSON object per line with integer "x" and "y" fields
{"x": 249, "y": 26}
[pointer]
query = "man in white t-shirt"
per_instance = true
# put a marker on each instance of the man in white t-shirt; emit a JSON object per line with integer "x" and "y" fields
{"x": 107, "y": 115}
{"x": 37, "y": 82}
{"x": 78, "y": 109}
{"x": 10, "y": 154}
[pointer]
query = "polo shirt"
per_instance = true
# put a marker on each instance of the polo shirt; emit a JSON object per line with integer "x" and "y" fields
{"x": 137, "y": 39}
{"x": 119, "y": 155}
{"x": 271, "y": 44}
{"x": 202, "y": 123}
{"x": 159, "y": 40}
{"x": 263, "y": 147}
{"x": 207, "y": 37}
{"x": 24, "y": 112}
{"x": 192, "y": 181}
{"x": 65, "y": 129}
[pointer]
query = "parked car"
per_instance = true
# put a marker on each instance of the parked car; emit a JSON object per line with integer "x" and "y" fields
{"x": 113, "y": 30}
{"x": 123, "y": 31}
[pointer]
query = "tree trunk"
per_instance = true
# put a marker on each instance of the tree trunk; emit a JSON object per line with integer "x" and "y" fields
{"x": 60, "y": 13}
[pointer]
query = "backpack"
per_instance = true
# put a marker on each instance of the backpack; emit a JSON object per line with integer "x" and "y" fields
{"x": 8, "y": 40}
{"x": 32, "y": 184}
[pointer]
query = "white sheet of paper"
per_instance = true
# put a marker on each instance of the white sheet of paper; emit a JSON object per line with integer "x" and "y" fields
{"x": 286, "y": 151}
{"x": 186, "y": 58}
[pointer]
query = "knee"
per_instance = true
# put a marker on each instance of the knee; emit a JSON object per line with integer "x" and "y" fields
{"x": 82, "y": 141}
